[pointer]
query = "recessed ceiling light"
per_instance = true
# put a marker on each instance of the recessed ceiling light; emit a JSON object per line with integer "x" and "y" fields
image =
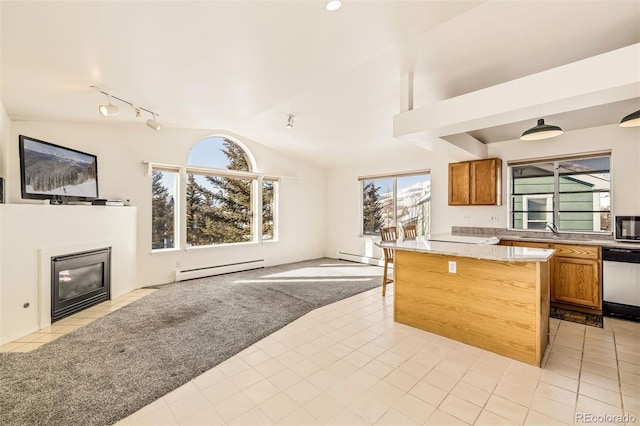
{"x": 333, "y": 5}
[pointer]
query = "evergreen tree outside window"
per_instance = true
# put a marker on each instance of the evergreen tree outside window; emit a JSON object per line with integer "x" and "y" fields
{"x": 163, "y": 214}
{"x": 222, "y": 198}
{"x": 219, "y": 206}
{"x": 396, "y": 201}
{"x": 218, "y": 210}
{"x": 269, "y": 194}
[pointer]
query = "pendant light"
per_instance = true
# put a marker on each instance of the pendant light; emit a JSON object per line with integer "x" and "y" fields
{"x": 631, "y": 120}
{"x": 541, "y": 131}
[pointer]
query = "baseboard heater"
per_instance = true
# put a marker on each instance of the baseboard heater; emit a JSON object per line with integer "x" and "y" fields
{"x": 207, "y": 271}
{"x": 360, "y": 258}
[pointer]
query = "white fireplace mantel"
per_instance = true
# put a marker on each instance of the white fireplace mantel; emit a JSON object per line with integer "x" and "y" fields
{"x": 31, "y": 234}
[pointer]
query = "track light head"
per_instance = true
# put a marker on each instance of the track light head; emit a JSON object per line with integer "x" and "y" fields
{"x": 154, "y": 124}
{"x": 108, "y": 110}
{"x": 290, "y": 121}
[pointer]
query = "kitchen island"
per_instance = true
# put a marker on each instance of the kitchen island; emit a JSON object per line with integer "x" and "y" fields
{"x": 492, "y": 297}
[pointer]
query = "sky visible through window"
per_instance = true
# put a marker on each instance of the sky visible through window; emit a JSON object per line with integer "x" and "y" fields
{"x": 206, "y": 153}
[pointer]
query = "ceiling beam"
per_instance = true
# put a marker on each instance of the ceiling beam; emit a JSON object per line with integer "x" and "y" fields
{"x": 610, "y": 77}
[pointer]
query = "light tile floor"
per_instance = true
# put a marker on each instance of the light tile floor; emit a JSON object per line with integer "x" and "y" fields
{"x": 72, "y": 322}
{"x": 349, "y": 364}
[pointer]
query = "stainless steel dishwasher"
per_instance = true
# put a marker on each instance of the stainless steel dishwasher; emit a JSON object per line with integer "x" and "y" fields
{"x": 621, "y": 282}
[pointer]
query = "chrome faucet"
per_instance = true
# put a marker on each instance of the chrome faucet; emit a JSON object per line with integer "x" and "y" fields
{"x": 553, "y": 228}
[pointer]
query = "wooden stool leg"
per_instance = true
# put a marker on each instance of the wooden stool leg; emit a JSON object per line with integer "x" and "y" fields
{"x": 384, "y": 279}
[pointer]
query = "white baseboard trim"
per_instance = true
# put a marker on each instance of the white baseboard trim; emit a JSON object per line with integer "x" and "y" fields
{"x": 361, "y": 259}
{"x": 188, "y": 274}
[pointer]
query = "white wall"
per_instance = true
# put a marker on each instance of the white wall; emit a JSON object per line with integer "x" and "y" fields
{"x": 31, "y": 234}
{"x": 5, "y": 126}
{"x": 121, "y": 148}
{"x": 343, "y": 191}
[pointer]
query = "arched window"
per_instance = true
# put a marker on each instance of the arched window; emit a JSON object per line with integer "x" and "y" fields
{"x": 226, "y": 201}
{"x": 217, "y": 152}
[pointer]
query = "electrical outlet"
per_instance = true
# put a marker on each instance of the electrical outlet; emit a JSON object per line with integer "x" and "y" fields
{"x": 177, "y": 264}
{"x": 467, "y": 218}
{"x": 452, "y": 267}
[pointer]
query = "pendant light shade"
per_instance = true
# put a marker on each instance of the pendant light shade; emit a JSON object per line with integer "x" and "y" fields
{"x": 541, "y": 131}
{"x": 631, "y": 120}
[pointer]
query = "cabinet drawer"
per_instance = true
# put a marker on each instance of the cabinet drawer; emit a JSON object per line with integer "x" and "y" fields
{"x": 530, "y": 244}
{"x": 584, "y": 252}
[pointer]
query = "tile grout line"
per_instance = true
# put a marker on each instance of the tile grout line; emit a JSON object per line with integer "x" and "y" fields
{"x": 575, "y": 409}
{"x": 545, "y": 360}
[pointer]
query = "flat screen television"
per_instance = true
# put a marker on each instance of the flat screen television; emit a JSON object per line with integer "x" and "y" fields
{"x": 49, "y": 171}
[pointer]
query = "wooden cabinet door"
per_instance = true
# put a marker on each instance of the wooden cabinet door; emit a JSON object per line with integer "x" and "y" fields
{"x": 459, "y": 184}
{"x": 577, "y": 281}
{"x": 485, "y": 182}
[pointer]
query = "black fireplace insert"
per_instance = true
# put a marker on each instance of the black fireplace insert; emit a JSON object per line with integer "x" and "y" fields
{"x": 79, "y": 280}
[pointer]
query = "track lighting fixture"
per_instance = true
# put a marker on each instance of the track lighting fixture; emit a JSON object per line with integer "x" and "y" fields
{"x": 110, "y": 110}
{"x": 631, "y": 120}
{"x": 153, "y": 123}
{"x": 289, "y": 121}
{"x": 541, "y": 131}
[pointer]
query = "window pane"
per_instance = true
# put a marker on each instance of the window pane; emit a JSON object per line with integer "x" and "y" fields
{"x": 584, "y": 166}
{"x": 585, "y": 221}
{"x": 218, "y": 210}
{"x": 585, "y": 182}
{"x": 219, "y": 153}
{"x": 377, "y": 205}
{"x": 414, "y": 202}
{"x": 532, "y": 211}
{"x": 583, "y": 186}
{"x": 269, "y": 189}
{"x": 163, "y": 209}
{"x": 585, "y": 201}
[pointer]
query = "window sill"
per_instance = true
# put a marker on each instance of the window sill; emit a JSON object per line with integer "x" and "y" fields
{"x": 155, "y": 252}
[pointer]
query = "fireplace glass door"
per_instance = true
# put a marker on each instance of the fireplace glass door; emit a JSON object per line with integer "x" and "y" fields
{"x": 78, "y": 281}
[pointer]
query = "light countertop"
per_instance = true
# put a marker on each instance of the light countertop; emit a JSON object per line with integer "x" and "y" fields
{"x": 571, "y": 241}
{"x": 476, "y": 251}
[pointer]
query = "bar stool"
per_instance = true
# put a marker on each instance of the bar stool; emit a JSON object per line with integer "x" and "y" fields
{"x": 387, "y": 234}
{"x": 409, "y": 231}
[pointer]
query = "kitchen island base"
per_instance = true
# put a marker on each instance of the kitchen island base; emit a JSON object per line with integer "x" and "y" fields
{"x": 499, "y": 306}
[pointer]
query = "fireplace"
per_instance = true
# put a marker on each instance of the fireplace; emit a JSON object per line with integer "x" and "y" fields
{"x": 78, "y": 281}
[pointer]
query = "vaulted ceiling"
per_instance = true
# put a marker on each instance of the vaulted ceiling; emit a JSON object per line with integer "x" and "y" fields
{"x": 245, "y": 65}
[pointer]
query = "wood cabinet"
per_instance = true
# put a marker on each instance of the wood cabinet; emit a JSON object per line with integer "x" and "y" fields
{"x": 575, "y": 274}
{"x": 475, "y": 182}
{"x": 459, "y": 177}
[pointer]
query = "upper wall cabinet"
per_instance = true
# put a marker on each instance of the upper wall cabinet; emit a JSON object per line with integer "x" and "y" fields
{"x": 475, "y": 182}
